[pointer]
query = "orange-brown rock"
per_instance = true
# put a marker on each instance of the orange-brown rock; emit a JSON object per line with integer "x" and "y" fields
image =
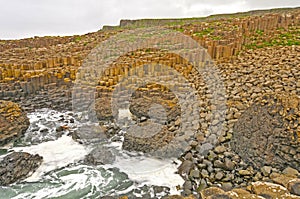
{"x": 13, "y": 122}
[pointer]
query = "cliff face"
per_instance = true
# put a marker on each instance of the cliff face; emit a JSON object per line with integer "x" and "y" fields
{"x": 13, "y": 122}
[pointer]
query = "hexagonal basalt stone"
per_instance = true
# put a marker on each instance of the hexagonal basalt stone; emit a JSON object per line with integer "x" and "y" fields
{"x": 266, "y": 134}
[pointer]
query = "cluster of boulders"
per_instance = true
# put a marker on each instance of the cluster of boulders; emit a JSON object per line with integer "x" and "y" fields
{"x": 262, "y": 134}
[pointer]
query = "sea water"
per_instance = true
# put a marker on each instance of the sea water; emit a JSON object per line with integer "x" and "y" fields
{"x": 64, "y": 175}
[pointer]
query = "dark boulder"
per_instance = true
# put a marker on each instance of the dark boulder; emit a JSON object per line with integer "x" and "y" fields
{"x": 17, "y": 166}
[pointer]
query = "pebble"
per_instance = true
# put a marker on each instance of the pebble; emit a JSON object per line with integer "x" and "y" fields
{"x": 227, "y": 186}
{"x": 219, "y": 175}
{"x": 195, "y": 173}
{"x": 229, "y": 165}
{"x": 220, "y": 149}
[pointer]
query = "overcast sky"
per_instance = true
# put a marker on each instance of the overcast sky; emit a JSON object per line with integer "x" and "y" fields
{"x": 27, "y": 18}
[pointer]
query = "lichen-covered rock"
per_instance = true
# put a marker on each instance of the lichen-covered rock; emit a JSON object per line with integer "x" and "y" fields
{"x": 13, "y": 122}
{"x": 17, "y": 166}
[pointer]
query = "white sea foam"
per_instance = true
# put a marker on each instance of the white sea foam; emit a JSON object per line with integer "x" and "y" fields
{"x": 56, "y": 154}
{"x": 151, "y": 171}
{"x": 64, "y": 151}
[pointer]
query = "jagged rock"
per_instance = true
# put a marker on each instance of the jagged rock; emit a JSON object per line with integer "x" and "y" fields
{"x": 13, "y": 122}
{"x": 17, "y": 166}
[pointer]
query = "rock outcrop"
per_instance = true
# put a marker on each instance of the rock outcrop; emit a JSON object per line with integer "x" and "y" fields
{"x": 17, "y": 166}
{"x": 267, "y": 133}
{"x": 100, "y": 156}
{"x": 13, "y": 122}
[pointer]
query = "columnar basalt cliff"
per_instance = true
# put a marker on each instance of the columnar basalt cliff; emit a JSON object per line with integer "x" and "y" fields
{"x": 257, "y": 153}
{"x": 29, "y": 65}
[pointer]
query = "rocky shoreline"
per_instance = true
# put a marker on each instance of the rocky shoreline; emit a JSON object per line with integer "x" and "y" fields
{"x": 257, "y": 153}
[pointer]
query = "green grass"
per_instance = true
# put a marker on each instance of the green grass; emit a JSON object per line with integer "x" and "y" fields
{"x": 77, "y": 38}
{"x": 207, "y": 31}
{"x": 283, "y": 38}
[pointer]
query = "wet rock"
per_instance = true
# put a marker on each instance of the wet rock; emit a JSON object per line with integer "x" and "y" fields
{"x": 13, "y": 122}
{"x": 89, "y": 134}
{"x": 185, "y": 167}
{"x": 17, "y": 166}
{"x": 100, "y": 156}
